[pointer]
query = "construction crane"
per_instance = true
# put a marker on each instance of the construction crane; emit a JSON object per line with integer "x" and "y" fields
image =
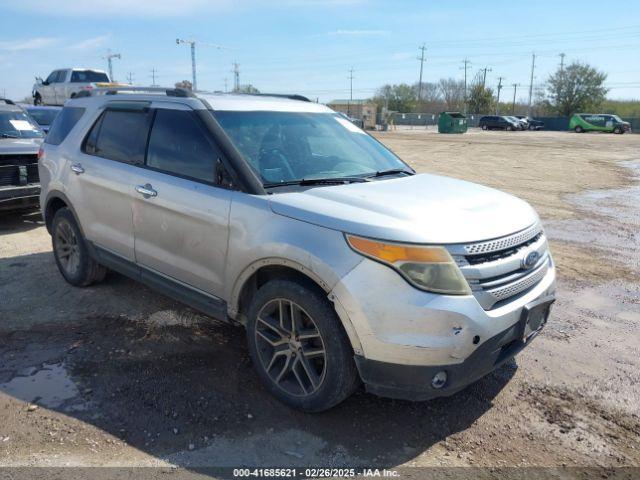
{"x": 192, "y": 44}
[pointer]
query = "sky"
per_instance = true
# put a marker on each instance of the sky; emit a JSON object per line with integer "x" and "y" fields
{"x": 308, "y": 47}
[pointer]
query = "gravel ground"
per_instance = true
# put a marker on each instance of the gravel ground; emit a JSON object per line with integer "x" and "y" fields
{"x": 117, "y": 375}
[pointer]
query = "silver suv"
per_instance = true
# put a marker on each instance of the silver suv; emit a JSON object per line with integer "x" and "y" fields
{"x": 277, "y": 213}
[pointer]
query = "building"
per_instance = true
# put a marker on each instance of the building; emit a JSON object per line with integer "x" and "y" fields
{"x": 364, "y": 110}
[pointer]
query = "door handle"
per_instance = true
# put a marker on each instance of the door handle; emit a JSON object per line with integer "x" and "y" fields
{"x": 146, "y": 190}
{"x": 77, "y": 168}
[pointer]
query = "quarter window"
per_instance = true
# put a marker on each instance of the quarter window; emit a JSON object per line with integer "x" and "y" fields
{"x": 179, "y": 145}
{"x": 119, "y": 135}
{"x": 63, "y": 124}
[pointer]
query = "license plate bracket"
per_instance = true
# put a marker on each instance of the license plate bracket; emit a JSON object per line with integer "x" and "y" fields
{"x": 534, "y": 316}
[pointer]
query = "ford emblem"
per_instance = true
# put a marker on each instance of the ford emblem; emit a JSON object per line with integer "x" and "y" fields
{"x": 530, "y": 259}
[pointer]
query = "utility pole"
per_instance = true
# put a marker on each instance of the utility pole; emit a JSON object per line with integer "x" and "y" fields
{"x": 225, "y": 84}
{"x": 513, "y": 105}
{"x": 498, "y": 99}
{"x": 130, "y": 78}
{"x": 484, "y": 75}
{"x": 562, "y": 55}
{"x": 421, "y": 58}
{"x": 466, "y": 63}
{"x": 533, "y": 67}
{"x": 192, "y": 44}
{"x": 110, "y": 56}
{"x": 153, "y": 77}
{"x": 350, "y": 91}
{"x": 236, "y": 76}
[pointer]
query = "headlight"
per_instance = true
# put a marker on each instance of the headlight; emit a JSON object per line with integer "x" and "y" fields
{"x": 428, "y": 268}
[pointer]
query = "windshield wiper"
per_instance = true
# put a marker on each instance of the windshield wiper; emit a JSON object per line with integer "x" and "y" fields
{"x": 8, "y": 135}
{"x": 318, "y": 181}
{"x": 392, "y": 171}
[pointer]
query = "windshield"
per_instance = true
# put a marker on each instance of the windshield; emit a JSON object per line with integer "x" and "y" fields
{"x": 18, "y": 125}
{"x": 295, "y": 146}
{"x": 43, "y": 116}
{"x": 616, "y": 118}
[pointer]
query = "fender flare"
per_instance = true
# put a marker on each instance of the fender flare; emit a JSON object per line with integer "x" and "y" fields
{"x": 57, "y": 194}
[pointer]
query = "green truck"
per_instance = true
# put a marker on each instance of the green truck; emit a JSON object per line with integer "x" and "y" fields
{"x": 598, "y": 122}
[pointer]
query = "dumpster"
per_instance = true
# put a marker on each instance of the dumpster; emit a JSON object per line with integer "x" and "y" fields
{"x": 452, "y": 122}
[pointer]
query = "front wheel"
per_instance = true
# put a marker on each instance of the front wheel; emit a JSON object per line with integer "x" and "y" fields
{"x": 484, "y": 127}
{"x": 71, "y": 253}
{"x": 618, "y": 130}
{"x": 298, "y": 346}
{"x": 579, "y": 129}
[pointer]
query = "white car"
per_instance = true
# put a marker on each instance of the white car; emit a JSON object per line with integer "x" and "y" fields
{"x": 65, "y": 83}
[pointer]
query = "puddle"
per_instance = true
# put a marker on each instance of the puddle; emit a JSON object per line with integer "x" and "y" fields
{"x": 49, "y": 386}
{"x": 616, "y": 224}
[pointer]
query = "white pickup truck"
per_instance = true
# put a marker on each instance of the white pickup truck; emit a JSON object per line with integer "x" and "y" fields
{"x": 65, "y": 83}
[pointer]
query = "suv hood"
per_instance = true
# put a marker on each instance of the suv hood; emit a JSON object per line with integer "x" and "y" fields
{"x": 420, "y": 208}
{"x": 18, "y": 146}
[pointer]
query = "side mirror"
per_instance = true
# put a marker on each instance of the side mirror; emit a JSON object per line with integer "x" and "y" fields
{"x": 39, "y": 80}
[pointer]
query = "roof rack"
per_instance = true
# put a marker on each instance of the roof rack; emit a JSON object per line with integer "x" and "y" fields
{"x": 7, "y": 101}
{"x": 169, "y": 92}
{"x": 293, "y": 96}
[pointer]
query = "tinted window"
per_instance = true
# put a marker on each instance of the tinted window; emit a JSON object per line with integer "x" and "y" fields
{"x": 43, "y": 116}
{"x": 63, "y": 124}
{"x": 178, "y": 144}
{"x": 119, "y": 135}
{"x": 88, "y": 76}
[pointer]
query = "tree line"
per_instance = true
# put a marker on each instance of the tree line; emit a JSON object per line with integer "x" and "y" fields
{"x": 577, "y": 87}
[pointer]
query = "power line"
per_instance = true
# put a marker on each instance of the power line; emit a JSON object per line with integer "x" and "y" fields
{"x": 466, "y": 63}
{"x": 515, "y": 89}
{"x": 533, "y": 67}
{"x": 498, "y": 99}
{"x": 110, "y": 56}
{"x": 421, "y": 58}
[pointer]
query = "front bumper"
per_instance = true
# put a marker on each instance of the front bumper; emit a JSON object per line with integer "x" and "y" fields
{"x": 16, "y": 197}
{"x": 403, "y": 336}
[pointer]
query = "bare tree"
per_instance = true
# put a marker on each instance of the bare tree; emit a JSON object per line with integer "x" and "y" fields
{"x": 452, "y": 93}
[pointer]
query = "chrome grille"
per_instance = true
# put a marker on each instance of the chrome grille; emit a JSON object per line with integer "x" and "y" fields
{"x": 495, "y": 269}
{"x": 503, "y": 243}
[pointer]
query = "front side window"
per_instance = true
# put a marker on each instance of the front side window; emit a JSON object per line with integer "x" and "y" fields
{"x": 296, "y": 146}
{"x": 52, "y": 77}
{"x": 119, "y": 135}
{"x": 178, "y": 144}
{"x": 17, "y": 124}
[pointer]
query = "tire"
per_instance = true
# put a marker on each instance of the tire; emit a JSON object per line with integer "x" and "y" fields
{"x": 71, "y": 252}
{"x": 618, "y": 131}
{"x": 484, "y": 127}
{"x": 37, "y": 99}
{"x": 531, "y": 127}
{"x": 579, "y": 129}
{"x": 313, "y": 381}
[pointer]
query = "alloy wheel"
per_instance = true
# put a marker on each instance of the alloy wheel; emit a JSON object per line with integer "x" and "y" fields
{"x": 290, "y": 347}
{"x": 67, "y": 248}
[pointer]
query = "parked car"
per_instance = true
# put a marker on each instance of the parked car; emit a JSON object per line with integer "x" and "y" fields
{"x": 595, "y": 122}
{"x": 356, "y": 121}
{"x": 343, "y": 264}
{"x": 521, "y": 124}
{"x": 20, "y": 139}
{"x": 44, "y": 116}
{"x": 532, "y": 124}
{"x": 493, "y": 122}
{"x": 65, "y": 83}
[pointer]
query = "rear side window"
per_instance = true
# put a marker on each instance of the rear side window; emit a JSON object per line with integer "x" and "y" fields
{"x": 63, "y": 124}
{"x": 119, "y": 135}
{"x": 179, "y": 145}
{"x": 88, "y": 76}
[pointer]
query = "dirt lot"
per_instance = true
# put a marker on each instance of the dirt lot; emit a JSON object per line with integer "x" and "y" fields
{"x": 118, "y": 375}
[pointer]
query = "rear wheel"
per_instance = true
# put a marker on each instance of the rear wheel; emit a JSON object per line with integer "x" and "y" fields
{"x": 579, "y": 129}
{"x": 71, "y": 253}
{"x": 298, "y": 347}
